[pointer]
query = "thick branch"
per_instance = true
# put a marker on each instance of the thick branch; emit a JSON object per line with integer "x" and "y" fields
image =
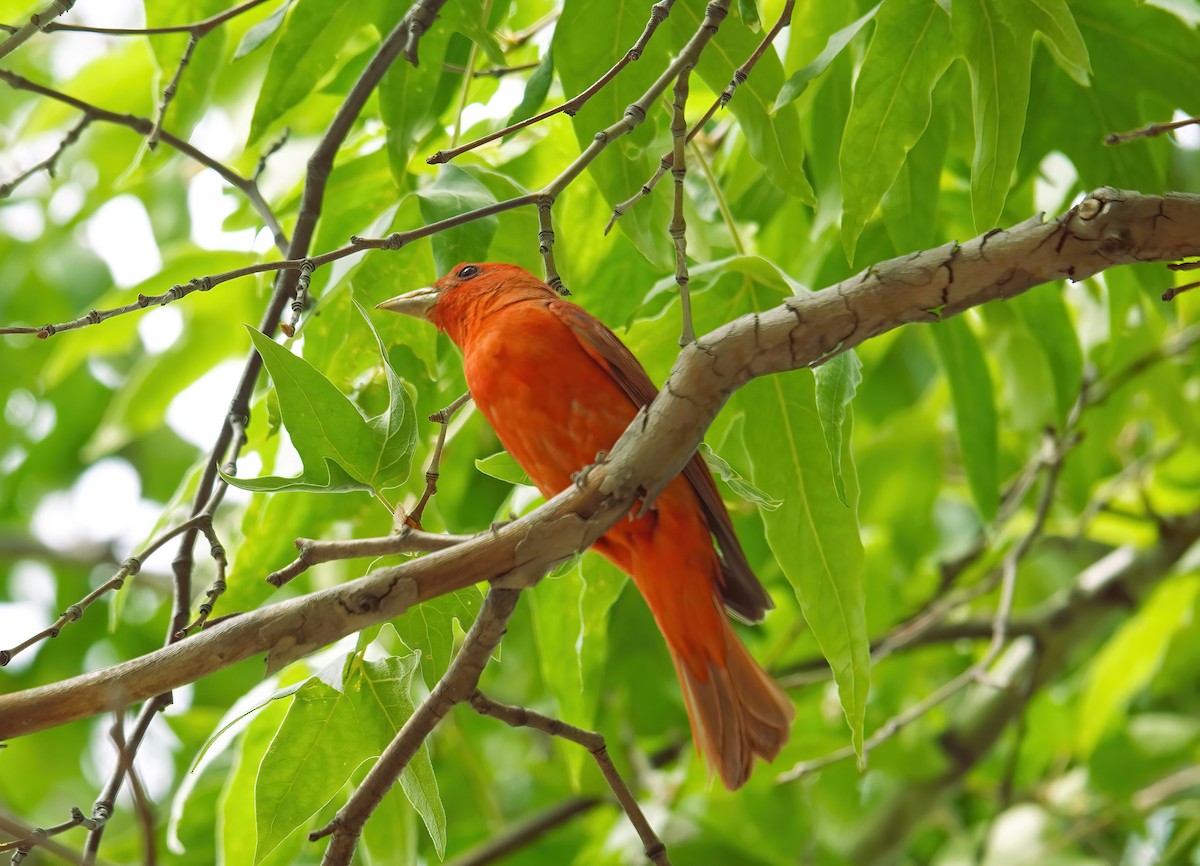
{"x": 1107, "y": 228}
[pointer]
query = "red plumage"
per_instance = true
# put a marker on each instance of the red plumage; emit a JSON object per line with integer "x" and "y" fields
{"x": 559, "y": 387}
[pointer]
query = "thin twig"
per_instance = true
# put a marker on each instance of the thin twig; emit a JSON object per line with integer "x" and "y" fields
{"x": 546, "y": 245}
{"x": 143, "y": 126}
{"x": 527, "y": 831}
{"x": 1150, "y": 131}
{"x": 740, "y": 75}
{"x": 442, "y": 418}
{"x": 522, "y": 717}
{"x": 678, "y": 226}
{"x": 141, "y": 802}
{"x": 50, "y": 163}
{"x": 38, "y": 837}
{"x": 206, "y": 24}
{"x": 1175, "y": 291}
{"x": 658, "y": 14}
{"x": 300, "y": 301}
{"x": 491, "y": 71}
{"x": 102, "y": 809}
{"x": 130, "y": 567}
{"x": 516, "y": 40}
{"x": 218, "y": 586}
{"x": 169, "y": 91}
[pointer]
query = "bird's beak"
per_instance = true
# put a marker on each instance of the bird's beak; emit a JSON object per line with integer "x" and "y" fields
{"x": 416, "y": 303}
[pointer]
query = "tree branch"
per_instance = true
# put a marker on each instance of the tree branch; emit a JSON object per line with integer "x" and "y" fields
{"x": 1108, "y": 228}
{"x": 457, "y": 685}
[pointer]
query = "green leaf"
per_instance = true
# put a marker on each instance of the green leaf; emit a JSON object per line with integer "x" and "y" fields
{"x": 974, "y": 409}
{"x": 814, "y": 537}
{"x": 470, "y": 19}
{"x": 910, "y": 208}
{"x": 308, "y": 46}
{"x": 570, "y": 625}
{"x": 1054, "y": 20}
{"x": 313, "y": 753}
{"x": 382, "y": 693}
{"x": 1126, "y": 664}
{"x": 502, "y": 466}
{"x": 411, "y": 99}
{"x": 1048, "y": 320}
{"x": 736, "y": 482}
{"x": 455, "y": 191}
{"x": 837, "y": 382}
{"x": 239, "y": 833}
{"x": 536, "y": 89}
{"x": 748, "y": 12}
{"x": 429, "y": 627}
{"x": 799, "y": 80}
{"x": 774, "y": 139}
{"x": 262, "y": 31}
{"x": 997, "y": 44}
{"x": 338, "y": 448}
{"x": 891, "y": 106}
{"x": 395, "y": 428}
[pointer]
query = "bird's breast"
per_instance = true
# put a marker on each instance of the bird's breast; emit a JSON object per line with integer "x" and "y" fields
{"x": 553, "y": 407}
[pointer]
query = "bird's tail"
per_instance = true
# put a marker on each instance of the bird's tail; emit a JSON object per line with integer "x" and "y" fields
{"x": 737, "y": 711}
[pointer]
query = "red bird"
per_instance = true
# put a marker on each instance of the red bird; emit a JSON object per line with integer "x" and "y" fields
{"x": 559, "y": 387}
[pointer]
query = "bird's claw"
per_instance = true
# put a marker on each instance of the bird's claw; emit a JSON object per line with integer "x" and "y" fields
{"x": 579, "y": 479}
{"x": 497, "y": 525}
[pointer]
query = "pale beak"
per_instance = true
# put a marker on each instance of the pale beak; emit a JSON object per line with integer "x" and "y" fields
{"x": 416, "y": 303}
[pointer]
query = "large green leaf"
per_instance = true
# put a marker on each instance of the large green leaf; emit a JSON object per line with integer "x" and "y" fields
{"x": 429, "y": 627}
{"x": 330, "y": 729}
{"x": 307, "y": 49}
{"x": 813, "y": 535}
{"x": 339, "y": 448}
{"x": 891, "y": 107}
{"x": 570, "y": 622}
{"x": 382, "y": 691}
{"x": 974, "y": 409}
{"x": 313, "y": 753}
{"x": 996, "y": 39}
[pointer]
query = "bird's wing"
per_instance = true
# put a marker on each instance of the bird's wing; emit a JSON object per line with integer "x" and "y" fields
{"x": 742, "y": 592}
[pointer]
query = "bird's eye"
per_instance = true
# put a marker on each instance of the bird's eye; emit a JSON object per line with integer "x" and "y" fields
{"x": 468, "y": 271}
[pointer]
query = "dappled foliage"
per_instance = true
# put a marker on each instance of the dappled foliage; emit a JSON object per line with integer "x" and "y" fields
{"x": 892, "y": 500}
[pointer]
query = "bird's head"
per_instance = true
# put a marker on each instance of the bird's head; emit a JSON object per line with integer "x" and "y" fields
{"x": 465, "y": 296}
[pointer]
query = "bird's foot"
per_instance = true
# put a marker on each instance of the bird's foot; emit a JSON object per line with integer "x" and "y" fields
{"x": 497, "y": 525}
{"x": 579, "y": 479}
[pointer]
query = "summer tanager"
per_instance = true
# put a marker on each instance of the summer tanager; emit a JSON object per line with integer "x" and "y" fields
{"x": 559, "y": 387}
